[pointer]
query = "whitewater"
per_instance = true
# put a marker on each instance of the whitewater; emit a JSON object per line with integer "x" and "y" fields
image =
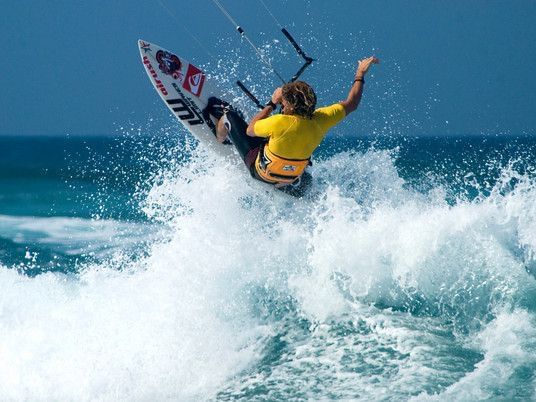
{"x": 138, "y": 266}
{"x": 370, "y": 288}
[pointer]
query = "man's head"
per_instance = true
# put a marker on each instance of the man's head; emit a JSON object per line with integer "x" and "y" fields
{"x": 299, "y": 99}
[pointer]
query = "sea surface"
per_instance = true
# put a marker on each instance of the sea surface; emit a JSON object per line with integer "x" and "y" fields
{"x": 142, "y": 267}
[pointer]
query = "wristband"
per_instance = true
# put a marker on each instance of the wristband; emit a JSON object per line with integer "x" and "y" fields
{"x": 270, "y": 104}
{"x": 362, "y": 79}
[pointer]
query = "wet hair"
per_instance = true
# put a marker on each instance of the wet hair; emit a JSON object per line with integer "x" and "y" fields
{"x": 301, "y": 98}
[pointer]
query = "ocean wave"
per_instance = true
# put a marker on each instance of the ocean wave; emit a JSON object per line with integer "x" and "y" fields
{"x": 366, "y": 287}
{"x": 39, "y": 244}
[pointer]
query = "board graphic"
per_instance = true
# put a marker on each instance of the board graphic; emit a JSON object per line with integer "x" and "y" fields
{"x": 185, "y": 90}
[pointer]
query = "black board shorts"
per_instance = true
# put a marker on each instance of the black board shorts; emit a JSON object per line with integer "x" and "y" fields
{"x": 248, "y": 147}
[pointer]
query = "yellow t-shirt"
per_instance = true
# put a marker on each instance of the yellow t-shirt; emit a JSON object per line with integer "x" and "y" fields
{"x": 295, "y": 137}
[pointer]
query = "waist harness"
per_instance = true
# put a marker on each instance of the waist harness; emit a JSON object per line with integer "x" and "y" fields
{"x": 275, "y": 169}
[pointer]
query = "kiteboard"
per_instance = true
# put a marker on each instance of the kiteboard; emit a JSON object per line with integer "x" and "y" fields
{"x": 185, "y": 89}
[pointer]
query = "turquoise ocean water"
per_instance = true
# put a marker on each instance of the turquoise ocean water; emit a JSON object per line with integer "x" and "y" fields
{"x": 143, "y": 268}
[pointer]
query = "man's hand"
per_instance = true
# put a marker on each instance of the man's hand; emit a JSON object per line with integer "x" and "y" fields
{"x": 277, "y": 96}
{"x": 356, "y": 91}
{"x": 364, "y": 66}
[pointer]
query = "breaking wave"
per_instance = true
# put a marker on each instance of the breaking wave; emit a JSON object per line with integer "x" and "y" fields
{"x": 366, "y": 288}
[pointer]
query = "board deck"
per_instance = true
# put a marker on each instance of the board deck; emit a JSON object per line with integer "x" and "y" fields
{"x": 185, "y": 89}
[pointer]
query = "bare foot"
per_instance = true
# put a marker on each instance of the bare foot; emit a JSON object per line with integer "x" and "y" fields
{"x": 221, "y": 130}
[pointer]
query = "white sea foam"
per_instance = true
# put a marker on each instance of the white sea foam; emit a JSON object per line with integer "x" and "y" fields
{"x": 75, "y": 236}
{"x": 145, "y": 334}
{"x": 201, "y": 307}
{"x": 508, "y": 344}
{"x": 468, "y": 257}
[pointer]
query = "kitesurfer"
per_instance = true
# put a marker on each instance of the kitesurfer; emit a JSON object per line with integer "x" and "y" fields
{"x": 277, "y": 148}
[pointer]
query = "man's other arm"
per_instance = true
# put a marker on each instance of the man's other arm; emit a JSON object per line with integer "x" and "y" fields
{"x": 356, "y": 91}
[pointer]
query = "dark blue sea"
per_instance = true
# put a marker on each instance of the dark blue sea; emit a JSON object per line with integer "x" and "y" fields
{"x": 143, "y": 267}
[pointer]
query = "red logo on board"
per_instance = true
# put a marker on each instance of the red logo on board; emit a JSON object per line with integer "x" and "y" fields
{"x": 194, "y": 80}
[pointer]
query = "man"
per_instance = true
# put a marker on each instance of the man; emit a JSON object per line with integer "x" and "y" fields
{"x": 277, "y": 148}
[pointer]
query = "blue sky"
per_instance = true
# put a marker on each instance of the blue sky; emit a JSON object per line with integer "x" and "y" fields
{"x": 448, "y": 67}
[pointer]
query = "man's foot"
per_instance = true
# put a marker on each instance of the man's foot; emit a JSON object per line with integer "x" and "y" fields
{"x": 216, "y": 108}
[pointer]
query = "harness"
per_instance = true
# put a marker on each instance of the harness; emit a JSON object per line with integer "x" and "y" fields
{"x": 277, "y": 170}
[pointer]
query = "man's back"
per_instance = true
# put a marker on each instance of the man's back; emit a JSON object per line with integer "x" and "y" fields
{"x": 295, "y": 137}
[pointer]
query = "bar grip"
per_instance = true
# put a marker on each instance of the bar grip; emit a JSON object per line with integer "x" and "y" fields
{"x": 249, "y": 94}
{"x": 295, "y": 44}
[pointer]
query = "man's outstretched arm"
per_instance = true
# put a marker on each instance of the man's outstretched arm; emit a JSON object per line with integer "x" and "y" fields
{"x": 354, "y": 96}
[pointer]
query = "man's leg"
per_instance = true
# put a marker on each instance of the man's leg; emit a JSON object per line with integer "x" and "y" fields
{"x": 235, "y": 126}
{"x": 215, "y": 109}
